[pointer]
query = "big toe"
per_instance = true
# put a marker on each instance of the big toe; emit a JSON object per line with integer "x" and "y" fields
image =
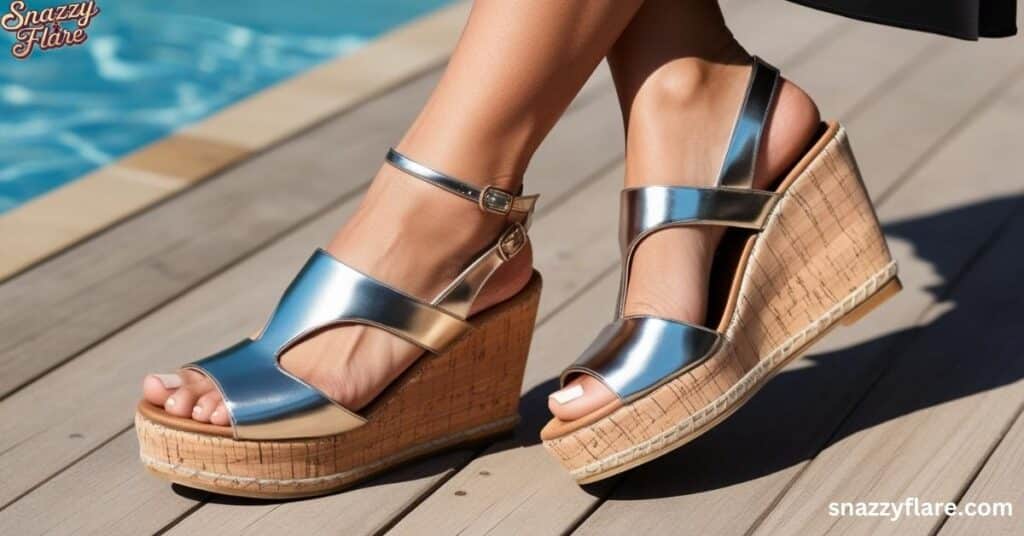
{"x": 182, "y": 400}
{"x": 578, "y": 398}
{"x": 156, "y": 388}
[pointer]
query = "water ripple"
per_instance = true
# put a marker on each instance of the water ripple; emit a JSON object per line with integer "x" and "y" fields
{"x": 151, "y": 67}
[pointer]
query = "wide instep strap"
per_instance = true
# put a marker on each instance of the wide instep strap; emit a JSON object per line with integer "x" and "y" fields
{"x": 489, "y": 199}
{"x": 634, "y": 355}
{"x": 327, "y": 292}
{"x": 264, "y": 401}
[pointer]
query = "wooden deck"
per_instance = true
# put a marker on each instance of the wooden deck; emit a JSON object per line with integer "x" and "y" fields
{"x": 921, "y": 399}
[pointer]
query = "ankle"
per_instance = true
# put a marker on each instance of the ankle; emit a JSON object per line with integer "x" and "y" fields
{"x": 405, "y": 225}
{"x": 689, "y": 80}
{"x": 678, "y": 118}
{"x": 681, "y": 119}
{"x": 478, "y": 157}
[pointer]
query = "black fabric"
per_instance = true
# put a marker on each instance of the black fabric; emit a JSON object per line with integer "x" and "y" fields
{"x": 965, "y": 19}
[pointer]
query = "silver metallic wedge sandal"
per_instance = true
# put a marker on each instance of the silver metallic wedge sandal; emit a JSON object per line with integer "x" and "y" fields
{"x": 794, "y": 262}
{"x": 288, "y": 439}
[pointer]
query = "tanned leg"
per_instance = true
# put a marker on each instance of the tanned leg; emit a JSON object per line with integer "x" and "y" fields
{"x": 680, "y": 76}
{"x": 514, "y": 71}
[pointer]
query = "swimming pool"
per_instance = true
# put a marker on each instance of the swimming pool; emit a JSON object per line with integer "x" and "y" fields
{"x": 152, "y": 66}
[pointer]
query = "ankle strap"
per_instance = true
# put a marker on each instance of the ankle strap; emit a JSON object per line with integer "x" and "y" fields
{"x": 740, "y": 161}
{"x": 489, "y": 199}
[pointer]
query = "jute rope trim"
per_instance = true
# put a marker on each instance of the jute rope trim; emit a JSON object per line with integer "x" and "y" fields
{"x": 749, "y": 381}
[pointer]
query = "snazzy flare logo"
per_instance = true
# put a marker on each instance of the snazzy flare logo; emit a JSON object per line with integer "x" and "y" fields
{"x": 45, "y": 28}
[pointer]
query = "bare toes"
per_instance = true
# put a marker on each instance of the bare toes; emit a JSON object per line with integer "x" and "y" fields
{"x": 578, "y": 398}
{"x": 157, "y": 387}
{"x": 180, "y": 403}
{"x": 220, "y": 416}
{"x": 205, "y": 406}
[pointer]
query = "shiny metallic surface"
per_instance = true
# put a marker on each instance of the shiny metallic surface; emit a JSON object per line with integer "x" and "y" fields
{"x": 524, "y": 204}
{"x": 460, "y": 294}
{"x": 649, "y": 209}
{"x": 414, "y": 168}
{"x": 496, "y": 200}
{"x": 489, "y": 199}
{"x": 740, "y": 161}
{"x": 327, "y": 292}
{"x": 264, "y": 401}
{"x": 634, "y": 355}
{"x": 512, "y": 241}
{"x": 740, "y": 157}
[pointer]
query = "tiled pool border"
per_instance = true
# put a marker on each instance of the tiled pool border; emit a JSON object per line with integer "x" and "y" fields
{"x": 81, "y": 208}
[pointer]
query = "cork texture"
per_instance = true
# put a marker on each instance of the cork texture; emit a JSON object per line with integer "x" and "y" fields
{"x": 466, "y": 393}
{"x": 821, "y": 254}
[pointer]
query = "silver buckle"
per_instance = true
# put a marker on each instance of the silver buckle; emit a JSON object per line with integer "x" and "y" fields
{"x": 496, "y": 200}
{"x": 512, "y": 241}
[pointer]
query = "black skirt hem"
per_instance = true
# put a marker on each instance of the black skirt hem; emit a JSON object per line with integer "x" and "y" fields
{"x": 1007, "y": 31}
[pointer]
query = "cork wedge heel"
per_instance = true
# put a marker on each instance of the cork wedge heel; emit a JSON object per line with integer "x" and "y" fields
{"x": 796, "y": 262}
{"x": 288, "y": 439}
{"x": 466, "y": 394}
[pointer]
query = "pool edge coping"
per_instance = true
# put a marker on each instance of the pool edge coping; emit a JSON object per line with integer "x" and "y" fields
{"x": 83, "y": 207}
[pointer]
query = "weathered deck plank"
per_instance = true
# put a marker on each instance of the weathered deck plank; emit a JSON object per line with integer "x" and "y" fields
{"x": 570, "y": 257}
{"x": 927, "y": 427}
{"x": 81, "y": 296}
{"x": 882, "y": 81}
{"x": 963, "y": 391}
{"x": 514, "y": 487}
{"x": 354, "y": 508}
{"x": 793, "y": 417}
{"x": 17, "y": 436}
{"x": 998, "y": 482}
{"x": 206, "y": 320}
{"x": 512, "y": 500}
{"x": 76, "y": 299}
{"x": 99, "y": 495}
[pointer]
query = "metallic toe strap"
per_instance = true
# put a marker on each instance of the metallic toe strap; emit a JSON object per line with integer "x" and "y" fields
{"x": 489, "y": 199}
{"x": 264, "y": 401}
{"x": 635, "y": 355}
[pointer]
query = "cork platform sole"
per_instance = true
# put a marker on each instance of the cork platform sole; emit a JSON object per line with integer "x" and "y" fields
{"x": 462, "y": 396}
{"x": 820, "y": 261}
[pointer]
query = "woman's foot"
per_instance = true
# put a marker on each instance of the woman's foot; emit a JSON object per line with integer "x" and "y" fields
{"x": 406, "y": 233}
{"x": 679, "y": 125}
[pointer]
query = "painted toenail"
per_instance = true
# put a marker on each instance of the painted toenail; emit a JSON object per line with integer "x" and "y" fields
{"x": 170, "y": 381}
{"x": 215, "y": 414}
{"x": 196, "y": 410}
{"x": 169, "y": 403}
{"x": 568, "y": 395}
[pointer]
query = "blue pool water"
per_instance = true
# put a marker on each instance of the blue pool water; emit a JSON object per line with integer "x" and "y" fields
{"x": 152, "y": 66}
